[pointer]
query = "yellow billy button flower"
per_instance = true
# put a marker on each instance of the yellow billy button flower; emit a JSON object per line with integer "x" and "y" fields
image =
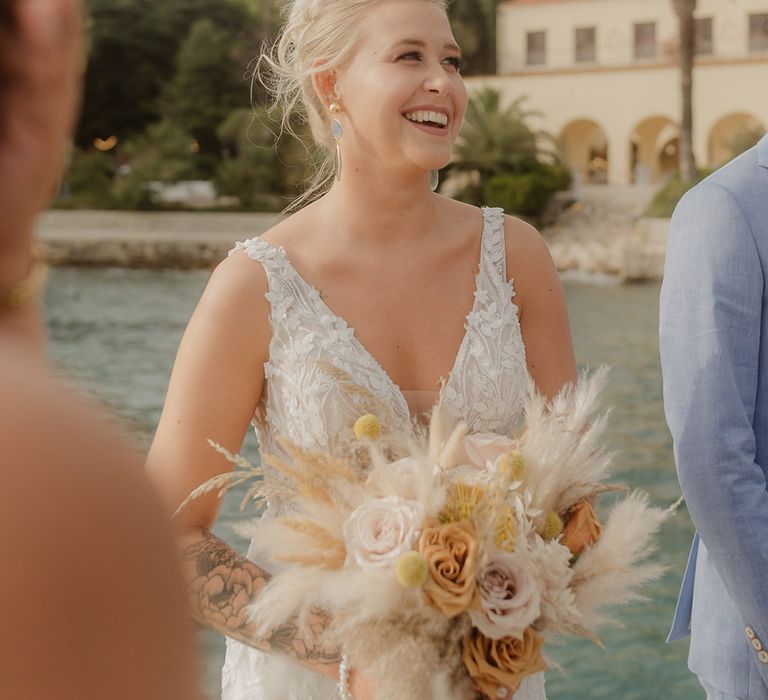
{"x": 367, "y": 427}
{"x": 553, "y": 525}
{"x": 411, "y": 570}
{"x": 512, "y": 465}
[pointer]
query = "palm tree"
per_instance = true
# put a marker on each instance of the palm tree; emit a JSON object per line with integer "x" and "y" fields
{"x": 496, "y": 139}
{"x": 684, "y": 10}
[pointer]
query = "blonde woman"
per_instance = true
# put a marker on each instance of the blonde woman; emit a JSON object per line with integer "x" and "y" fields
{"x": 395, "y": 285}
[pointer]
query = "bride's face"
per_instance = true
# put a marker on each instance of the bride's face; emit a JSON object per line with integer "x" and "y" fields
{"x": 402, "y": 94}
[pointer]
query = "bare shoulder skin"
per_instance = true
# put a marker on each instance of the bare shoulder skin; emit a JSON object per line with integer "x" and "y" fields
{"x": 92, "y": 598}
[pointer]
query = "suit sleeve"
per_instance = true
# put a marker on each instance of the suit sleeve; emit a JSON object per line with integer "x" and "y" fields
{"x": 710, "y": 328}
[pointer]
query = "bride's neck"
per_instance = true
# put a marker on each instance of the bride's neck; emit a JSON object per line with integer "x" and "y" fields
{"x": 379, "y": 211}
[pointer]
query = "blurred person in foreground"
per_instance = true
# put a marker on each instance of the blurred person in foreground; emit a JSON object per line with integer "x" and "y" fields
{"x": 714, "y": 352}
{"x": 90, "y": 596}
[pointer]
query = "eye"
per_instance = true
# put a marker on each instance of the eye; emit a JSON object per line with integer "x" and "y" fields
{"x": 456, "y": 61}
{"x": 411, "y": 56}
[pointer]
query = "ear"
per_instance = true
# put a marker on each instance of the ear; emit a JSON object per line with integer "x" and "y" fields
{"x": 324, "y": 82}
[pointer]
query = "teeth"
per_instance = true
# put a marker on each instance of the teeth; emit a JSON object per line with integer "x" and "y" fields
{"x": 424, "y": 116}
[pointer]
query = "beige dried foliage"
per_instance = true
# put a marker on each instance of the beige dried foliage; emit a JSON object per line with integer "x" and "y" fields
{"x": 306, "y": 485}
{"x": 325, "y": 466}
{"x": 225, "y": 482}
{"x": 329, "y": 560}
{"x": 316, "y": 535}
{"x": 350, "y": 387}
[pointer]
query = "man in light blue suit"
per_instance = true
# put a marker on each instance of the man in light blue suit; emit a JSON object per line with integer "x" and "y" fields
{"x": 714, "y": 354}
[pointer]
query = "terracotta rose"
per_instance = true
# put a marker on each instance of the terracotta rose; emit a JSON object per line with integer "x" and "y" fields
{"x": 451, "y": 551}
{"x": 502, "y": 663}
{"x": 582, "y": 528}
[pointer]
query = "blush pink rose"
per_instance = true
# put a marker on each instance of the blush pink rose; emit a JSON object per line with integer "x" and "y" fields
{"x": 379, "y": 531}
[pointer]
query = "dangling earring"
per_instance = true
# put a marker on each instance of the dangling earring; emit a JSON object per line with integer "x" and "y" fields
{"x": 434, "y": 180}
{"x": 338, "y": 131}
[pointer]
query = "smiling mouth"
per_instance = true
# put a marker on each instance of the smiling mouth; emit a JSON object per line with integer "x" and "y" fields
{"x": 435, "y": 120}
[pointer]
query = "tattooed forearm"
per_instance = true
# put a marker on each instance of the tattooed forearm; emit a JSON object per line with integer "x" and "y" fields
{"x": 223, "y": 583}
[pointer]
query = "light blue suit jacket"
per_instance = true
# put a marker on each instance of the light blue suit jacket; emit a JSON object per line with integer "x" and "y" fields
{"x": 714, "y": 355}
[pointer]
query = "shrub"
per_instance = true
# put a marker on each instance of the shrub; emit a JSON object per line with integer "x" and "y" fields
{"x": 526, "y": 194}
{"x": 248, "y": 179}
{"x": 162, "y": 153}
{"x": 89, "y": 180}
{"x": 666, "y": 198}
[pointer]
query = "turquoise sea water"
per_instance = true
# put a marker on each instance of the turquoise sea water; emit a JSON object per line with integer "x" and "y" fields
{"x": 115, "y": 332}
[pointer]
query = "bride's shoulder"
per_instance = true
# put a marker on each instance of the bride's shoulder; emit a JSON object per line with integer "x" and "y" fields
{"x": 525, "y": 246}
{"x": 240, "y": 274}
{"x": 529, "y": 263}
{"x": 237, "y": 292}
{"x": 526, "y": 250}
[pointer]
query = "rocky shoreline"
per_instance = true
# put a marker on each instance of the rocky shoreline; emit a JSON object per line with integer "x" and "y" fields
{"x": 589, "y": 240}
{"x": 628, "y": 251}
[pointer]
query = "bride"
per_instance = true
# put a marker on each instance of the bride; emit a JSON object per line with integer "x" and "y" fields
{"x": 395, "y": 285}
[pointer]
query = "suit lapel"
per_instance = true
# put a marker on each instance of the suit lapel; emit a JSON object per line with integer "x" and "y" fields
{"x": 762, "y": 152}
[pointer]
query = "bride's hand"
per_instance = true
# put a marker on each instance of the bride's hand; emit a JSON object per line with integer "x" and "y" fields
{"x": 41, "y": 59}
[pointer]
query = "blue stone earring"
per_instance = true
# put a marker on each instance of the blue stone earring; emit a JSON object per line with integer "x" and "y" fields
{"x": 338, "y": 131}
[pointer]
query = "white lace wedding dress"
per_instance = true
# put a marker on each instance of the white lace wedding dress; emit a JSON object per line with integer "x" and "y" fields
{"x": 485, "y": 388}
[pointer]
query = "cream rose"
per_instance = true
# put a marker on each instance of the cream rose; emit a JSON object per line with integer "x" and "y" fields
{"x": 379, "y": 531}
{"x": 482, "y": 448}
{"x": 406, "y": 474}
{"x": 509, "y": 597}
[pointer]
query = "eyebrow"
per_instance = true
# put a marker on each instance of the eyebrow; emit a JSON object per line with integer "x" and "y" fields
{"x": 422, "y": 44}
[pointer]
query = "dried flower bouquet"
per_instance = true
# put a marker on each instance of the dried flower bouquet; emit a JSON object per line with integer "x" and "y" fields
{"x": 447, "y": 569}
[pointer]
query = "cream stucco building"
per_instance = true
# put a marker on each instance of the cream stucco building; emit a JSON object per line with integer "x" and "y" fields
{"x": 604, "y": 75}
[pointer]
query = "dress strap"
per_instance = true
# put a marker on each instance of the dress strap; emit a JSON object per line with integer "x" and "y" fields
{"x": 494, "y": 244}
{"x": 287, "y": 296}
{"x": 272, "y": 257}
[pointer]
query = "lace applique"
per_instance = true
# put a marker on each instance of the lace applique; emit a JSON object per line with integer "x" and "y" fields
{"x": 487, "y": 387}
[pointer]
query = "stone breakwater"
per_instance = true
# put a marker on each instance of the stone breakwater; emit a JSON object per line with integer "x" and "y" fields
{"x": 604, "y": 234}
{"x": 589, "y": 240}
{"x": 179, "y": 240}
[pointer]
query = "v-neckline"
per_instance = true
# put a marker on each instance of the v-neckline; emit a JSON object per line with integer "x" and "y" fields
{"x": 365, "y": 352}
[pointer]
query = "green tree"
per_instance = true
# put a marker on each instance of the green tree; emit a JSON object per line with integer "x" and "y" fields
{"x": 207, "y": 85}
{"x": 261, "y": 169}
{"x": 497, "y": 139}
{"x": 474, "y": 25}
{"x": 133, "y": 51}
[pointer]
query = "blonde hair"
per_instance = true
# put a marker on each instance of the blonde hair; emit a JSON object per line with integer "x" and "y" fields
{"x": 314, "y": 30}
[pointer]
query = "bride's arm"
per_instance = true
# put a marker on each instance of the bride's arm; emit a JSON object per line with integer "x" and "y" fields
{"x": 222, "y": 583}
{"x": 215, "y": 386}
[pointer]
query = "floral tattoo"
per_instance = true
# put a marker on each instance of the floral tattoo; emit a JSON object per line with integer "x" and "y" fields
{"x": 225, "y": 583}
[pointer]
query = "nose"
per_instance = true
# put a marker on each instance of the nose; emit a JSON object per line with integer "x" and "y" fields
{"x": 437, "y": 81}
